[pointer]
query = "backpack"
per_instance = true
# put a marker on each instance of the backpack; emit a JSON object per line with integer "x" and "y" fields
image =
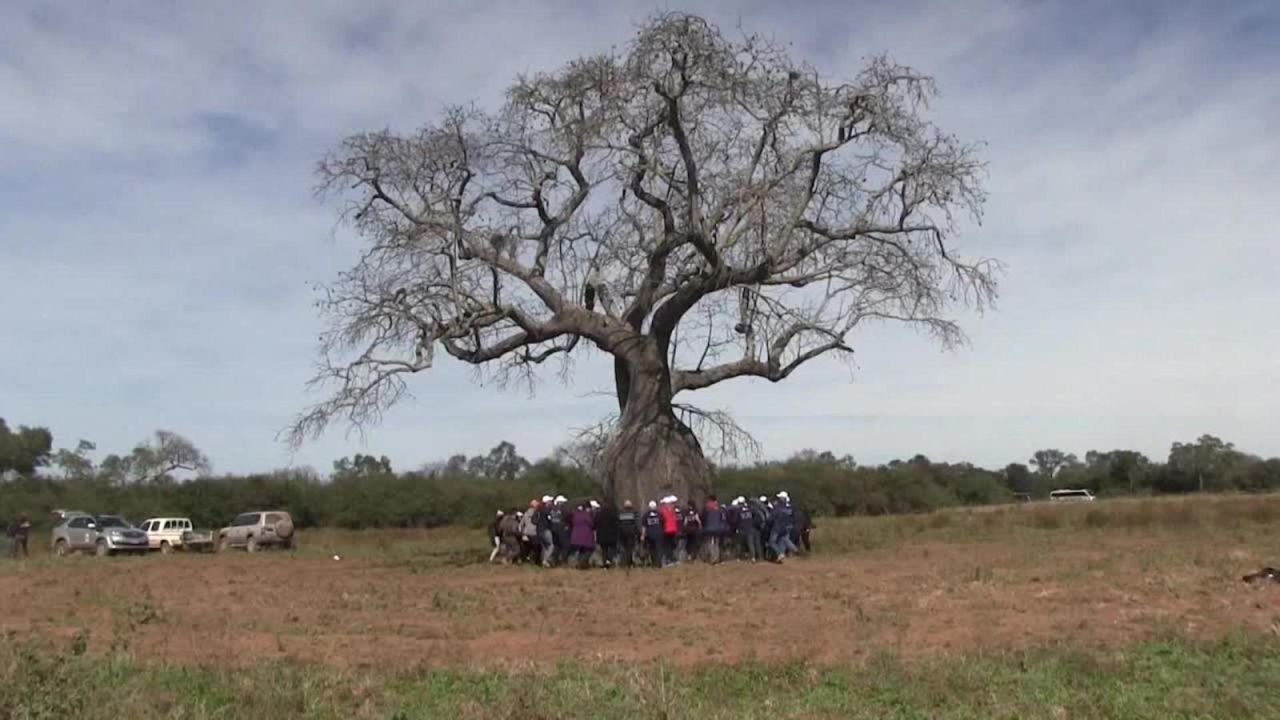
{"x": 528, "y": 526}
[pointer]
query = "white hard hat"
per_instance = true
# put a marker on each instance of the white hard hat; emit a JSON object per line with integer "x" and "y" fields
{"x": 784, "y": 495}
{"x": 547, "y": 498}
{"x": 561, "y": 498}
{"x": 653, "y": 504}
{"x": 764, "y": 499}
{"x": 499, "y": 513}
{"x": 595, "y": 504}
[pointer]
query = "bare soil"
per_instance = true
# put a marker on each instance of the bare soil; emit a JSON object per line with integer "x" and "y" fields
{"x": 922, "y": 599}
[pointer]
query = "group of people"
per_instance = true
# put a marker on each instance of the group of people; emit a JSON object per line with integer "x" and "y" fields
{"x": 553, "y": 533}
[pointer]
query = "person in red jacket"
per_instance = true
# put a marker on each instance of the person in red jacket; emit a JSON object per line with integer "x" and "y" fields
{"x": 670, "y": 529}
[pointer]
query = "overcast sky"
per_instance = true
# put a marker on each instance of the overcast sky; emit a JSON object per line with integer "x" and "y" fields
{"x": 158, "y": 231}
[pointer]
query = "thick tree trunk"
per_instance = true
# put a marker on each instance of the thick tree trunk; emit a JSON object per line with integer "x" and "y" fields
{"x": 653, "y": 453}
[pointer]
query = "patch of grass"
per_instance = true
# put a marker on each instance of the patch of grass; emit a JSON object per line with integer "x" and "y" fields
{"x": 1171, "y": 678}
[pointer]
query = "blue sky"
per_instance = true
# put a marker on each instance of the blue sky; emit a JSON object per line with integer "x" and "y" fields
{"x": 158, "y": 231}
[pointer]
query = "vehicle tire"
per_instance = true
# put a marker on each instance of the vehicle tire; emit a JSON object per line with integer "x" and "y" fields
{"x": 60, "y": 548}
{"x": 101, "y": 549}
{"x": 289, "y": 544}
{"x": 251, "y": 545}
{"x": 284, "y": 530}
{"x": 165, "y": 547}
{"x": 222, "y": 545}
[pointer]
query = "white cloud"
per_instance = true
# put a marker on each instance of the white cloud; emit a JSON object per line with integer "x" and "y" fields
{"x": 155, "y": 263}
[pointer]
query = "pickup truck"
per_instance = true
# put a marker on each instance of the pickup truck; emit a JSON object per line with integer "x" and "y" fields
{"x": 175, "y": 533}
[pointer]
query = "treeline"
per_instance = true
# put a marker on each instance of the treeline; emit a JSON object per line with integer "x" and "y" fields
{"x": 168, "y": 475}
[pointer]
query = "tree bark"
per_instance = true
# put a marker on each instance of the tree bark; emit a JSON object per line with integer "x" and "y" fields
{"x": 653, "y": 453}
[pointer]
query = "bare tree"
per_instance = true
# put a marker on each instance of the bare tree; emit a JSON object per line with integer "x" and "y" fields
{"x": 700, "y": 208}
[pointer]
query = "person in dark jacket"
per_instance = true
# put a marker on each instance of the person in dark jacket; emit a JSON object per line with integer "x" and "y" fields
{"x": 755, "y": 527}
{"x": 559, "y": 516}
{"x": 780, "y": 534}
{"x": 607, "y": 531}
{"x": 628, "y": 533}
{"x": 801, "y": 529}
{"x": 766, "y": 530}
{"x": 714, "y": 527}
{"x": 582, "y": 536}
{"x": 653, "y": 535}
{"x": 20, "y": 533}
{"x": 691, "y": 530}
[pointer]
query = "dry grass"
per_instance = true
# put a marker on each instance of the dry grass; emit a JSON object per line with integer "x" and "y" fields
{"x": 1074, "y": 587}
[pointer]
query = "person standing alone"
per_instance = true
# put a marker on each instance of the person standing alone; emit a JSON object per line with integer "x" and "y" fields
{"x": 20, "y": 532}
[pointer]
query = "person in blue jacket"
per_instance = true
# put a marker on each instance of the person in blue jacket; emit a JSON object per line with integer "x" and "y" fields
{"x": 784, "y": 517}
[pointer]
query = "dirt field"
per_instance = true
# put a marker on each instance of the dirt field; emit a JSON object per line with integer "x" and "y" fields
{"x": 917, "y": 598}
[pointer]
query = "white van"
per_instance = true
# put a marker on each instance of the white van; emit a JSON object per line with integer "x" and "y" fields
{"x": 165, "y": 534}
{"x": 1071, "y": 496}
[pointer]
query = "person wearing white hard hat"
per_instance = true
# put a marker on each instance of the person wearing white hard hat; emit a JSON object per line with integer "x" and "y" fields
{"x": 559, "y": 516}
{"x": 651, "y": 534}
{"x": 783, "y": 524}
{"x": 746, "y": 528}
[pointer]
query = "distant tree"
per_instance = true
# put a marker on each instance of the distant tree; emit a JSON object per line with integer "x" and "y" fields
{"x": 701, "y": 207}
{"x": 1207, "y": 458}
{"x": 456, "y": 465}
{"x": 501, "y": 463}
{"x": 920, "y": 460}
{"x": 1118, "y": 469}
{"x": 825, "y": 457}
{"x": 1018, "y": 477}
{"x": 115, "y": 470}
{"x": 155, "y": 460}
{"x": 1049, "y": 462}
{"x": 360, "y": 465}
{"x": 76, "y": 464}
{"x": 25, "y": 450}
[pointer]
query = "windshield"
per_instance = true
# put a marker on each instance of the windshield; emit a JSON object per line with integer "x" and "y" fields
{"x": 110, "y": 521}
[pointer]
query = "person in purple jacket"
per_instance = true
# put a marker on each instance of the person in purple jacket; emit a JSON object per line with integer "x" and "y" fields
{"x": 582, "y": 536}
